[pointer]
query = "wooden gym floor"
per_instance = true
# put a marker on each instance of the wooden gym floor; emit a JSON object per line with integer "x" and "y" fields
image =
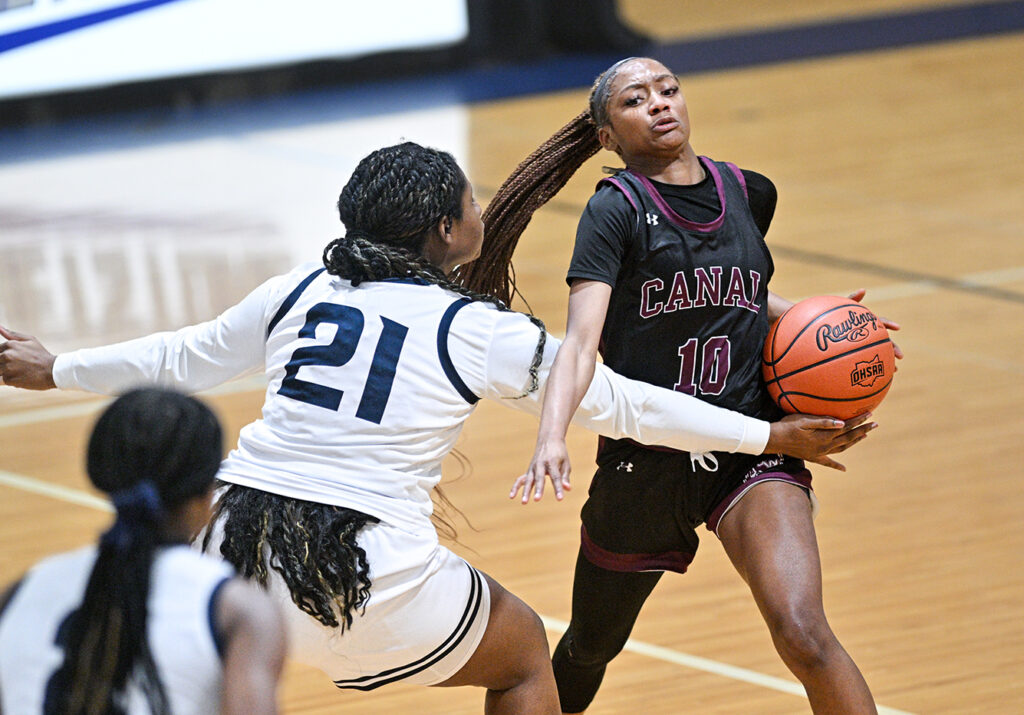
{"x": 900, "y": 170}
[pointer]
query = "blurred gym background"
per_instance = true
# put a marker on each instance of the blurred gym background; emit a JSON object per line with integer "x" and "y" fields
{"x": 160, "y": 158}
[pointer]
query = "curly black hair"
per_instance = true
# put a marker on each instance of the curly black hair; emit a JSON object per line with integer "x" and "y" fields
{"x": 311, "y": 545}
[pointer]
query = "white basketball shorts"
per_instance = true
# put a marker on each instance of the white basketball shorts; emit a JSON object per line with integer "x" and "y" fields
{"x": 428, "y": 610}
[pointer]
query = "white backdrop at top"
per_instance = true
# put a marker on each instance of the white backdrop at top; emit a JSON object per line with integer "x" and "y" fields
{"x": 54, "y": 45}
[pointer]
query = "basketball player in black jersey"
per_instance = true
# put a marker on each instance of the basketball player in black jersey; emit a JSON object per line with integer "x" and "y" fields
{"x": 669, "y": 279}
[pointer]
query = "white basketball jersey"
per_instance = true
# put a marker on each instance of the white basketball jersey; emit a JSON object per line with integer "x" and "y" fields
{"x": 179, "y": 629}
{"x": 364, "y": 402}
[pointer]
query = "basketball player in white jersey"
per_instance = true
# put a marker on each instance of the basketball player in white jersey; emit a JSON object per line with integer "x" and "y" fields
{"x": 142, "y": 623}
{"x": 375, "y": 359}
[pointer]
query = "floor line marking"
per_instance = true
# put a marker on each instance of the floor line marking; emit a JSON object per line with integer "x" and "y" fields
{"x": 67, "y": 494}
{"x": 80, "y": 409}
{"x": 48, "y": 414}
{"x": 709, "y": 666}
{"x": 76, "y": 496}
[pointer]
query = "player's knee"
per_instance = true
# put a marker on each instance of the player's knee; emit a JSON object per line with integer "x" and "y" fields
{"x": 583, "y": 652}
{"x": 805, "y": 643}
{"x": 532, "y": 633}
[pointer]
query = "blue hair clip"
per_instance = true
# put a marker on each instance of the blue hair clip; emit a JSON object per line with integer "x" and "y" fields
{"x": 138, "y": 506}
{"x": 139, "y": 502}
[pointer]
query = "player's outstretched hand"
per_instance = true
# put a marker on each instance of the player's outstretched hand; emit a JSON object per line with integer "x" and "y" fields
{"x": 551, "y": 459}
{"x": 858, "y": 295}
{"x": 813, "y": 438}
{"x": 24, "y": 362}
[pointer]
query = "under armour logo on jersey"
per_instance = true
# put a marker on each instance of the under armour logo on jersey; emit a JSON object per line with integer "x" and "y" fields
{"x": 707, "y": 461}
{"x": 652, "y": 219}
{"x": 628, "y": 466}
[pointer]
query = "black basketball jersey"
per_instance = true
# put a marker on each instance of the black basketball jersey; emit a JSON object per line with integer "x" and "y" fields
{"x": 689, "y": 308}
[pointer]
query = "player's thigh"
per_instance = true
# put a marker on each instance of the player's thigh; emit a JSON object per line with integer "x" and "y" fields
{"x": 514, "y": 647}
{"x": 770, "y": 539}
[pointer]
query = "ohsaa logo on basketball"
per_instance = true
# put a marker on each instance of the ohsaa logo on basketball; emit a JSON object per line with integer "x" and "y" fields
{"x": 852, "y": 330}
{"x": 865, "y": 373}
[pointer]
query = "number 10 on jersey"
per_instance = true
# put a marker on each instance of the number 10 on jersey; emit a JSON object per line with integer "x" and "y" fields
{"x": 714, "y": 366}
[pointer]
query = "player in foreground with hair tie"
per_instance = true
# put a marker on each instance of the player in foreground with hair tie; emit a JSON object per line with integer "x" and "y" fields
{"x": 142, "y": 623}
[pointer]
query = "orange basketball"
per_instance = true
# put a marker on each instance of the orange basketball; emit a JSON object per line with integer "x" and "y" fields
{"x": 828, "y": 356}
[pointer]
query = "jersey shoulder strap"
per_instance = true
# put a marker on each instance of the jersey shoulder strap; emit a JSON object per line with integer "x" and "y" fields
{"x": 738, "y": 173}
{"x": 444, "y": 356}
{"x": 291, "y": 299}
{"x": 619, "y": 181}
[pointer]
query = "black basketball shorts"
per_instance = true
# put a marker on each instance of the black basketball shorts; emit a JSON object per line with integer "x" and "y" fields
{"x": 644, "y": 505}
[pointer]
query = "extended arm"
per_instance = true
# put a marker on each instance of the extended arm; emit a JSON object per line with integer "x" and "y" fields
{"x": 618, "y": 407}
{"x": 191, "y": 359}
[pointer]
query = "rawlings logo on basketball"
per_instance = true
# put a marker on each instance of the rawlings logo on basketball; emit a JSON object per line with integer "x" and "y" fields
{"x": 865, "y": 373}
{"x": 852, "y": 330}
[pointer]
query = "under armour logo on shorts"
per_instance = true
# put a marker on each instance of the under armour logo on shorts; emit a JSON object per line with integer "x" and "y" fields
{"x": 707, "y": 461}
{"x": 652, "y": 219}
{"x": 628, "y": 466}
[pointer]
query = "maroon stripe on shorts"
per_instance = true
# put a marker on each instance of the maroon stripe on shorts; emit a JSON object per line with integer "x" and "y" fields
{"x": 677, "y": 561}
{"x": 801, "y": 478}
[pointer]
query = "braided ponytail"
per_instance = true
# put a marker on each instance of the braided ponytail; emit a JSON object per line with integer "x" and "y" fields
{"x": 358, "y": 257}
{"x": 531, "y": 185}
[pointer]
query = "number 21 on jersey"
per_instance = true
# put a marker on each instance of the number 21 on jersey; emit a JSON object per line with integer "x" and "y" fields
{"x": 350, "y": 323}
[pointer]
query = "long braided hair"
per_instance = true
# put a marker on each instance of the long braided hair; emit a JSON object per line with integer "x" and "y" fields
{"x": 151, "y": 450}
{"x": 312, "y": 546}
{"x": 532, "y": 184}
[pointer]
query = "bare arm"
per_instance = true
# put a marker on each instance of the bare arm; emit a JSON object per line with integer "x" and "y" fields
{"x": 570, "y": 377}
{"x": 777, "y": 305}
{"x": 24, "y": 362}
{"x": 253, "y": 630}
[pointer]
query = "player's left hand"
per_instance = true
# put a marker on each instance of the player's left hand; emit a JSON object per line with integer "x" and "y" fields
{"x": 858, "y": 295}
{"x": 551, "y": 459}
{"x": 24, "y": 362}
